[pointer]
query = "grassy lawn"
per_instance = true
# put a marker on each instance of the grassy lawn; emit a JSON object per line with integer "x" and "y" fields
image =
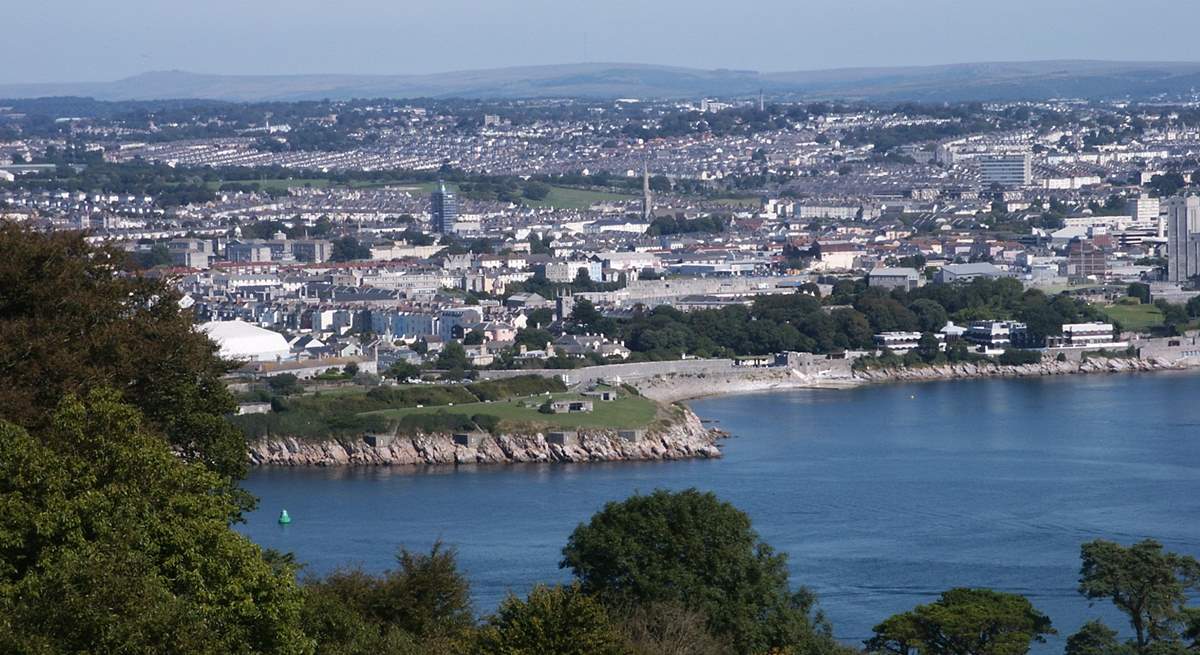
{"x": 624, "y": 412}
{"x": 1137, "y": 318}
{"x": 737, "y": 202}
{"x": 569, "y": 198}
{"x": 277, "y": 184}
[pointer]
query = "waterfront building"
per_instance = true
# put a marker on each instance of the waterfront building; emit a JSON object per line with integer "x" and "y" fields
{"x": 1084, "y": 335}
{"x": 900, "y": 342}
{"x": 993, "y": 336}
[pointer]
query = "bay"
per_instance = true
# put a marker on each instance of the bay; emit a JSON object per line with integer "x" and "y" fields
{"x": 882, "y": 496}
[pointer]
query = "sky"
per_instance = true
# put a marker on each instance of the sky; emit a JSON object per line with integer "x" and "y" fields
{"x": 99, "y": 40}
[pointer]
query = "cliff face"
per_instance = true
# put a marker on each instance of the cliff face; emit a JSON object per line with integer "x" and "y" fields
{"x": 952, "y": 371}
{"x": 685, "y": 438}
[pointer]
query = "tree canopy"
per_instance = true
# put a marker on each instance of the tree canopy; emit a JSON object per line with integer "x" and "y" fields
{"x": 964, "y": 622}
{"x": 72, "y": 320}
{"x": 689, "y": 547}
{"x": 109, "y": 542}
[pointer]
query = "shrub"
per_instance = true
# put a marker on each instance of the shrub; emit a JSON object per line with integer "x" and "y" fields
{"x": 1015, "y": 357}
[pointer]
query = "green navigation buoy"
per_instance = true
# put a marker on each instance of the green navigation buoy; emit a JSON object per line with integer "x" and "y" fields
{"x": 284, "y": 519}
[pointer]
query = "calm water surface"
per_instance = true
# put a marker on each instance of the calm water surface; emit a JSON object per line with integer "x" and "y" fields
{"x": 882, "y": 496}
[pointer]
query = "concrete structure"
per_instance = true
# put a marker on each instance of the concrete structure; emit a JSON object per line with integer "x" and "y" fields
{"x": 1183, "y": 238}
{"x": 443, "y": 211}
{"x": 1011, "y": 170}
{"x": 952, "y": 273}
{"x": 563, "y": 438}
{"x": 995, "y": 336}
{"x": 894, "y": 278}
{"x": 898, "y": 342}
{"x": 1085, "y": 335}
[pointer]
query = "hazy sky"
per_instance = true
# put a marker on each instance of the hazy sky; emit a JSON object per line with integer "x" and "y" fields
{"x": 91, "y": 40}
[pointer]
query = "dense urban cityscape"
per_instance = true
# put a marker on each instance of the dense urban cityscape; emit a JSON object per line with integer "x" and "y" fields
{"x": 384, "y": 329}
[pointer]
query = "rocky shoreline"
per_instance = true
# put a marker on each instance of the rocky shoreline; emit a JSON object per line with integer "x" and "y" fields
{"x": 684, "y": 438}
{"x": 681, "y": 387}
{"x": 966, "y": 370}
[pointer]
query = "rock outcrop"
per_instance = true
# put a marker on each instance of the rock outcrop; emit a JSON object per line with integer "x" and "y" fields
{"x": 685, "y": 437}
{"x": 966, "y": 370}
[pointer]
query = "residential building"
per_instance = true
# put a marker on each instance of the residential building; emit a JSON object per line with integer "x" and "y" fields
{"x": 1183, "y": 238}
{"x": 1009, "y": 170}
{"x": 443, "y": 210}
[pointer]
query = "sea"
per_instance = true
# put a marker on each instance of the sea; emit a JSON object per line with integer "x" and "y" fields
{"x": 882, "y": 496}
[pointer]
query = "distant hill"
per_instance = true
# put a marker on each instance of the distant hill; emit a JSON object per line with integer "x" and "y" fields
{"x": 955, "y": 82}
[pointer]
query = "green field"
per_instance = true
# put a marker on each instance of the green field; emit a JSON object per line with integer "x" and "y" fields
{"x": 624, "y": 412}
{"x": 569, "y": 198}
{"x": 737, "y": 202}
{"x": 1137, "y": 318}
{"x": 275, "y": 184}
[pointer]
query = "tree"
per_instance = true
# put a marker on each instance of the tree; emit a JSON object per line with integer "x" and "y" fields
{"x": 584, "y": 312}
{"x": 658, "y": 628}
{"x": 453, "y": 356}
{"x": 348, "y": 249}
{"x": 1139, "y": 290}
{"x": 285, "y": 384}
{"x": 559, "y": 620}
{"x": 403, "y": 371}
{"x": 1149, "y": 585}
{"x": 1095, "y": 638}
{"x": 351, "y": 369}
{"x": 964, "y": 622}
{"x": 689, "y": 547}
{"x": 72, "y": 321}
{"x": 931, "y": 317}
{"x": 473, "y": 338}
{"x": 425, "y": 601}
{"x": 1193, "y": 307}
{"x": 109, "y": 542}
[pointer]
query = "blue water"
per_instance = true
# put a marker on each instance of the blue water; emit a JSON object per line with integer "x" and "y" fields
{"x": 882, "y": 496}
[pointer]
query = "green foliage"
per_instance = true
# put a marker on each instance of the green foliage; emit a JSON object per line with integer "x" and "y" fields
{"x": 403, "y": 371}
{"x": 111, "y": 543}
{"x": 453, "y": 356}
{"x": 1149, "y": 585}
{"x": 348, "y": 249}
{"x": 679, "y": 225}
{"x": 657, "y": 628}
{"x": 1139, "y": 290}
{"x": 1017, "y": 357}
{"x": 514, "y": 387}
{"x": 558, "y": 620}
{"x": 689, "y": 547}
{"x": 964, "y": 622}
{"x": 285, "y": 384}
{"x": 1095, "y": 638}
{"x": 423, "y": 606}
{"x": 70, "y": 321}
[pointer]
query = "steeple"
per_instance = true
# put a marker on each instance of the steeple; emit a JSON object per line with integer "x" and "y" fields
{"x": 647, "y": 202}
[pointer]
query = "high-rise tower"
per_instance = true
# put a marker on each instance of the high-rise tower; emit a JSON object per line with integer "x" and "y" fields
{"x": 443, "y": 210}
{"x": 1183, "y": 238}
{"x": 647, "y": 201}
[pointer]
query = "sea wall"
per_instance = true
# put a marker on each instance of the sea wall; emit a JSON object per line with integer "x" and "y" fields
{"x": 684, "y": 437}
{"x": 964, "y": 370}
{"x": 673, "y": 387}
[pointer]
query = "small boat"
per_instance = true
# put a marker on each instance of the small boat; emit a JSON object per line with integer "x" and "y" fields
{"x": 284, "y": 519}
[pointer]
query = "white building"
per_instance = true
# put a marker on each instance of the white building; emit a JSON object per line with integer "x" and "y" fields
{"x": 243, "y": 341}
{"x": 1011, "y": 170}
